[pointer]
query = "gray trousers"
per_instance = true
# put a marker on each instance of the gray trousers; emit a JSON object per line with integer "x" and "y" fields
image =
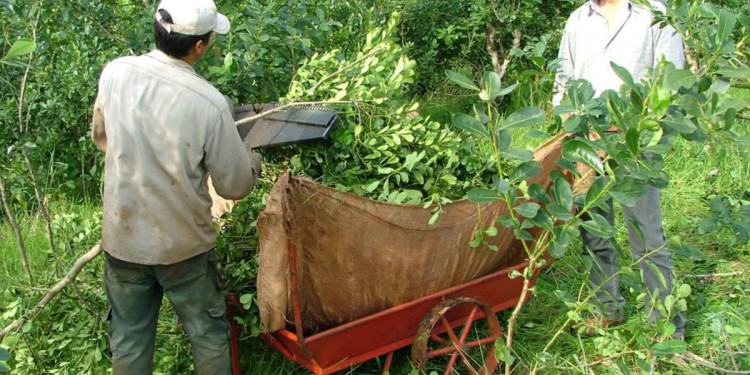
{"x": 192, "y": 286}
{"x": 645, "y": 234}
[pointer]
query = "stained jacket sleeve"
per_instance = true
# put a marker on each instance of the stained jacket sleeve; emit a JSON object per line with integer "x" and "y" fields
{"x": 234, "y": 171}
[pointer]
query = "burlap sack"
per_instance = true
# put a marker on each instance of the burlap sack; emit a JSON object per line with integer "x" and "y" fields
{"x": 356, "y": 256}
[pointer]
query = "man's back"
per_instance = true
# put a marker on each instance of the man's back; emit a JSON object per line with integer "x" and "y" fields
{"x": 167, "y": 128}
{"x": 164, "y": 131}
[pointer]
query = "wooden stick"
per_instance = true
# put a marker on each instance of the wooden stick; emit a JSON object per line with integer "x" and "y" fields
{"x": 705, "y": 363}
{"x": 69, "y": 277}
{"x": 284, "y": 108}
{"x": 712, "y": 275}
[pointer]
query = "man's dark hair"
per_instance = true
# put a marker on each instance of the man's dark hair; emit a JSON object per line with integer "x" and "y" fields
{"x": 175, "y": 44}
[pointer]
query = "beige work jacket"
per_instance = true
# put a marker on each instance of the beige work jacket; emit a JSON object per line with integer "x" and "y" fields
{"x": 164, "y": 130}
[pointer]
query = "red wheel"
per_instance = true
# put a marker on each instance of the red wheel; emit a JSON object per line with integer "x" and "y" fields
{"x": 436, "y": 337}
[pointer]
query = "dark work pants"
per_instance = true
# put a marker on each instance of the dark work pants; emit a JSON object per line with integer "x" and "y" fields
{"x": 644, "y": 237}
{"x": 192, "y": 286}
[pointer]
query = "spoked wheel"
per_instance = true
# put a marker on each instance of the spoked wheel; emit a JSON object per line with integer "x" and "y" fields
{"x": 436, "y": 337}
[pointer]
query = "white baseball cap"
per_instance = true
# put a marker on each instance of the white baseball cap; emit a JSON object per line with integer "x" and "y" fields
{"x": 192, "y": 17}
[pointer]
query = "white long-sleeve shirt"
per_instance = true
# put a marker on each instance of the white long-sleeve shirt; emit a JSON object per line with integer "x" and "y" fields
{"x": 166, "y": 129}
{"x": 589, "y": 44}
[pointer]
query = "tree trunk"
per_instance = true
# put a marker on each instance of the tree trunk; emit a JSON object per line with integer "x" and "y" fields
{"x": 40, "y": 199}
{"x": 16, "y": 227}
{"x": 501, "y": 68}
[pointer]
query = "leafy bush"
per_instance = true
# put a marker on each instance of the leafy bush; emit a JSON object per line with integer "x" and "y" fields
{"x": 268, "y": 42}
{"x": 442, "y": 35}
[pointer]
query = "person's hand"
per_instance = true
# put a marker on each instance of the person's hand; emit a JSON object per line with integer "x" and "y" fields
{"x": 255, "y": 160}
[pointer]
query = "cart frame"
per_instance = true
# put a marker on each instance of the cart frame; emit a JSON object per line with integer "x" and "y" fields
{"x": 382, "y": 333}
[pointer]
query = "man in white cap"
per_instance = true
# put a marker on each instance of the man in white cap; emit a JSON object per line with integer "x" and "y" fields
{"x": 164, "y": 130}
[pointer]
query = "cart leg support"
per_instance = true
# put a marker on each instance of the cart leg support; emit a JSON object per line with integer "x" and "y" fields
{"x": 388, "y": 361}
{"x": 232, "y": 303}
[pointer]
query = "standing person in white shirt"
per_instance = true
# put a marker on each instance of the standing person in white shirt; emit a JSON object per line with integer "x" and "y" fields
{"x": 164, "y": 130}
{"x": 619, "y": 31}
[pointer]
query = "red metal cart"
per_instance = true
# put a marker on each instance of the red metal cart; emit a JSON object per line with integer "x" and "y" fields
{"x": 432, "y": 318}
{"x": 435, "y": 325}
{"x": 427, "y": 323}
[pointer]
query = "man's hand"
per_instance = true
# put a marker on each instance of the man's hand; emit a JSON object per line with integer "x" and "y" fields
{"x": 255, "y": 160}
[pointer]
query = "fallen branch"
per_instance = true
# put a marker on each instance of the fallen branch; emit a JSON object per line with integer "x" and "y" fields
{"x": 69, "y": 277}
{"x": 705, "y": 363}
{"x": 712, "y": 275}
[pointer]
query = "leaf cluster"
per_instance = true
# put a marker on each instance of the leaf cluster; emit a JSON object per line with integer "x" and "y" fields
{"x": 268, "y": 42}
{"x": 383, "y": 148}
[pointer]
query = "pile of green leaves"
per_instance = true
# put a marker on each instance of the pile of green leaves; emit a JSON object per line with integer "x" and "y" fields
{"x": 383, "y": 148}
